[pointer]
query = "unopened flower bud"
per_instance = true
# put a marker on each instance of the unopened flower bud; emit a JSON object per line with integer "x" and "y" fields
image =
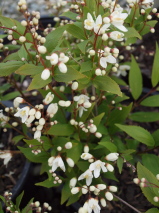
{"x": 103, "y": 202}
{"x": 86, "y": 149}
{"x": 75, "y": 190}
{"x": 101, "y": 186}
{"x": 109, "y": 167}
{"x": 109, "y": 196}
{"x": 74, "y": 85}
{"x": 112, "y": 156}
{"x": 73, "y": 182}
{"x": 70, "y": 162}
{"x": 68, "y": 145}
{"x": 24, "y": 23}
{"x": 113, "y": 188}
{"x": 42, "y": 49}
{"x": 38, "y": 115}
{"x": 156, "y": 199}
{"x": 84, "y": 189}
{"x": 45, "y": 74}
{"x": 22, "y": 39}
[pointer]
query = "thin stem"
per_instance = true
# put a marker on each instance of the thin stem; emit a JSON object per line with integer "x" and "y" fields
{"x": 54, "y": 92}
{"x": 123, "y": 201}
{"x": 28, "y": 53}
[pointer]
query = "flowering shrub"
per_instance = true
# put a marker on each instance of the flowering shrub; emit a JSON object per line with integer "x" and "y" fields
{"x": 79, "y": 124}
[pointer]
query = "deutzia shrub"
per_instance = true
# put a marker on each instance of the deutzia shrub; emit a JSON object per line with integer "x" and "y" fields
{"x": 80, "y": 122}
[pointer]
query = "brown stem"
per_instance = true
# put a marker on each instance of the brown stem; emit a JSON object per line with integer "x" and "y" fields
{"x": 54, "y": 92}
{"x": 123, "y": 201}
{"x": 29, "y": 53}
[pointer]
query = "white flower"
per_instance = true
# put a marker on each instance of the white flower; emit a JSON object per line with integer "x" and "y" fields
{"x": 122, "y": 70}
{"x": 45, "y": 74}
{"x": 49, "y": 97}
{"x": 117, "y": 19}
{"x": 6, "y": 156}
{"x": 82, "y": 103}
{"x": 93, "y": 206}
{"x": 52, "y": 110}
{"x": 23, "y": 113}
{"x": 86, "y": 175}
{"x": 89, "y": 22}
{"x": 17, "y": 101}
{"x": 98, "y": 28}
{"x": 86, "y": 156}
{"x": 53, "y": 58}
{"x": 63, "y": 58}
{"x": 117, "y": 36}
{"x": 109, "y": 58}
{"x": 37, "y": 134}
{"x": 58, "y": 162}
{"x": 112, "y": 156}
{"x": 96, "y": 167}
{"x": 50, "y": 160}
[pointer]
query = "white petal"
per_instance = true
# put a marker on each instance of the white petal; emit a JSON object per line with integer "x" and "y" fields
{"x": 121, "y": 27}
{"x": 111, "y": 59}
{"x": 103, "y": 62}
{"x": 97, "y": 172}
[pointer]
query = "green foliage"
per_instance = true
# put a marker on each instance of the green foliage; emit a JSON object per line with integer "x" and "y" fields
{"x": 152, "y": 101}
{"x": 9, "y": 67}
{"x": 106, "y": 84}
{"x": 76, "y": 31}
{"x": 138, "y": 133}
{"x": 155, "y": 69}
{"x": 151, "y": 191}
{"x": 67, "y": 130}
{"x": 145, "y": 116}
{"x": 29, "y": 69}
{"x": 151, "y": 162}
{"x": 135, "y": 79}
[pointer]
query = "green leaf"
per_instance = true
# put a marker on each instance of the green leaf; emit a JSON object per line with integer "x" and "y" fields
{"x": 132, "y": 33}
{"x": 41, "y": 157}
{"x": 66, "y": 192}
{"x": 147, "y": 27}
{"x": 135, "y": 79}
{"x": 138, "y": 133}
{"x": 156, "y": 137}
{"x": 10, "y": 96}
{"x": 1, "y": 209}
{"x": 38, "y": 83}
{"x": 86, "y": 66}
{"x": 151, "y": 162}
{"x": 152, "y": 210}
{"x": 47, "y": 183}
{"x": 98, "y": 118}
{"x": 73, "y": 198}
{"x": 120, "y": 162}
{"x": 82, "y": 46}
{"x": 9, "y": 67}
{"x": 70, "y": 15}
{"x": 2, "y": 198}
{"x": 54, "y": 38}
{"x": 152, "y": 101}
{"x": 29, "y": 69}
{"x": 22, "y": 51}
{"x": 105, "y": 83}
{"x": 155, "y": 68}
{"x": 145, "y": 116}
{"x": 117, "y": 116}
{"x": 12, "y": 57}
{"x": 26, "y": 209}
{"x": 76, "y": 31}
{"x": 109, "y": 145}
{"x": 72, "y": 74}
{"x": 61, "y": 130}
{"x": 149, "y": 192}
{"x": 17, "y": 138}
{"x": 18, "y": 200}
{"x": 75, "y": 152}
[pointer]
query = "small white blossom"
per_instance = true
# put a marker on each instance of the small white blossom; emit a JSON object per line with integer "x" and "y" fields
{"x": 93, "y": 206}
{"x": 117, "y": 36}
{"x": 82, "y": 103}
{"x": 88, "y": 176}
{"x": 53, "y": 58}
{"x": 98, "y": 28}
{"x": 117, "y": 19}
{"x": 96, "y": 167}
{"x": 49, "y": 97}
{"x": 23, "y": 113}
{"x": 89, "y": 22}
{"x": 68, "y": 145}
{"x": 52, "y": 110}
{"x": 17, "y": 101}
{"x": 37, "y": 134}
{"x": 6, "y": 156}
{"x": 86, "y": 156}
{"x": 58, "y": 162}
